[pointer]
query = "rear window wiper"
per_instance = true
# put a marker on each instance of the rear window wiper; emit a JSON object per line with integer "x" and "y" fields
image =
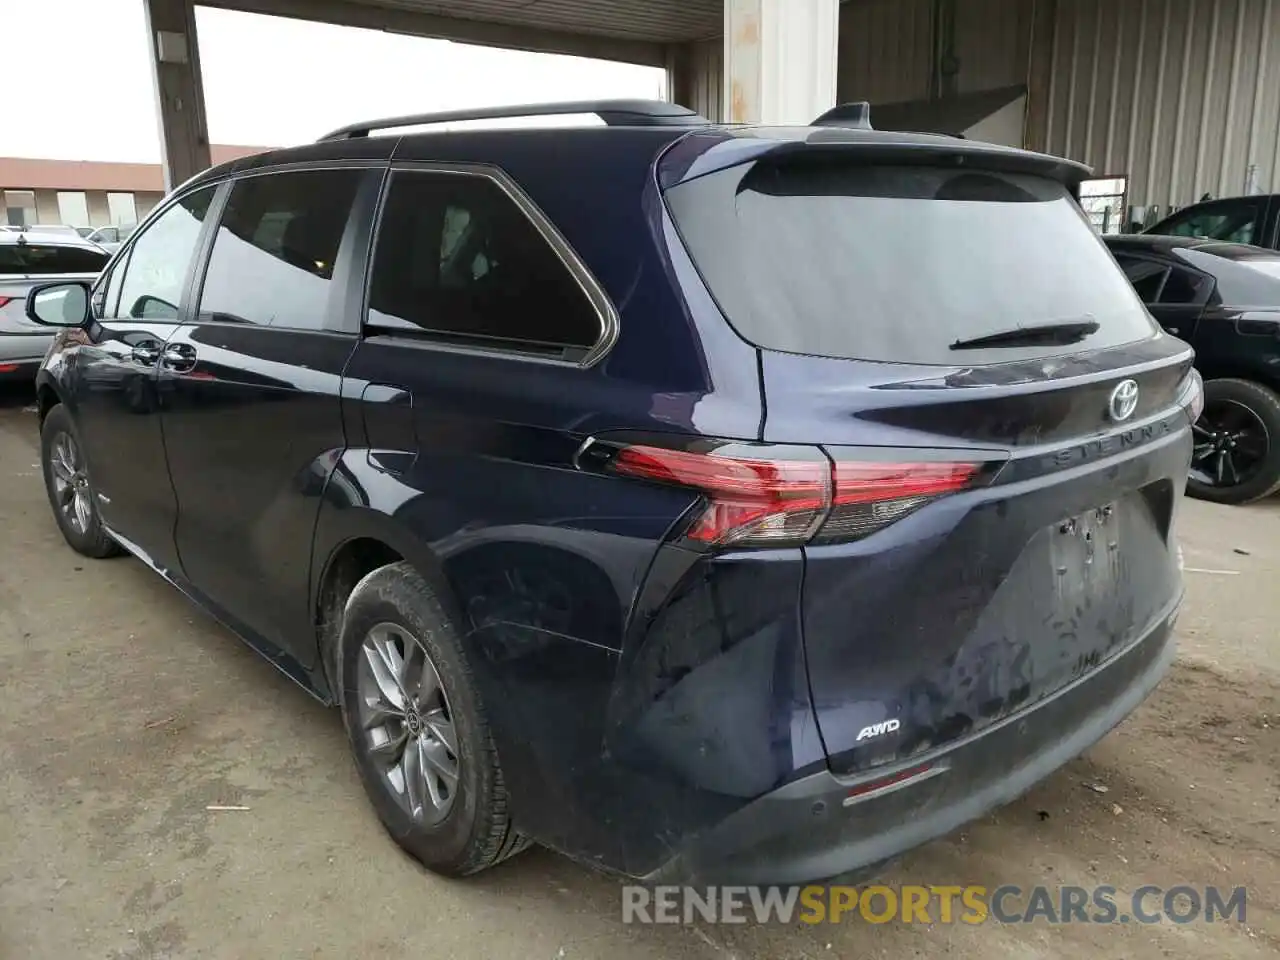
{"x": 1045, "y": 335}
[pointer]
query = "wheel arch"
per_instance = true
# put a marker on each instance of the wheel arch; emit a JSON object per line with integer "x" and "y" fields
{"x": 1235, "y": 370}
{"x": 350, "y": 544}
{"x": 47, "y": 397}
{"x": 1262, "y": 479}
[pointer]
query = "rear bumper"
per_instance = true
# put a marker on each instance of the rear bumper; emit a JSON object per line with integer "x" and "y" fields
{"x": 21, "y": 353}
{"x": 805, "y": 832}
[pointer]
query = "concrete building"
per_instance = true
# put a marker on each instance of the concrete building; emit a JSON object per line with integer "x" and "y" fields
{"x": 1174, "y": 99}
{"x": 83, "y": 193}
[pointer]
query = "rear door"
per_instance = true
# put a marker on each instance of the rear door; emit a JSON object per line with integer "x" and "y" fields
{"x": 470, "y": 391}
{"x": 252, "y": 387}
{"x": 1003, "y": 421}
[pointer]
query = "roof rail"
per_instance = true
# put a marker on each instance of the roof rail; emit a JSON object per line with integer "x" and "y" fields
{"x": 615, "y": 113}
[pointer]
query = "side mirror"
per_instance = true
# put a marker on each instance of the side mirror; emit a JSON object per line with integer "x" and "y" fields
{"x": 59, "y": 305}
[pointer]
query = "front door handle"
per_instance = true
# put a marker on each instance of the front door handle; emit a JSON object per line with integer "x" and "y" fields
{"x": 178, "y": 357}
{"x": 146, "y": 352}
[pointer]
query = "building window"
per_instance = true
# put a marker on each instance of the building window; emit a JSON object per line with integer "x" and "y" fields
{"x": 122, "y": 209}
{"x": 19, "y": 207}
{"x": 73, "y": 208}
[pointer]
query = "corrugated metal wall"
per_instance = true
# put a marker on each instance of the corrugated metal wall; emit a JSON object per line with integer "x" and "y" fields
{"x": 886, "y": 47}
{"x": 697, "y": 76}
{"x": 993, "y": 42}
{"x": 885, "y": 50}
{"x": 1183, "y": 96}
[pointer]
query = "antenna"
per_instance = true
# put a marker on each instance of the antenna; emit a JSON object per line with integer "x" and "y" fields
{"x": 856, "y": 115}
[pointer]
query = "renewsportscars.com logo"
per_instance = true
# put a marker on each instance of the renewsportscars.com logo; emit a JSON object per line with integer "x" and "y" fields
{"x": 946, "y": 904}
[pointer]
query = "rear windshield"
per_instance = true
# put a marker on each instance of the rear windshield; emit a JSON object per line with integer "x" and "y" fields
{"x": 899, "y": 263}
{"x": 42, "y": 258}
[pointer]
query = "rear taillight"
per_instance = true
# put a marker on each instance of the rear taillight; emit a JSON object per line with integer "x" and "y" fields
{"x": 763, "y": 501}
{"x": 869, "y": 496}
{"x": 775, "y": 496}
{"x": 5, "y": 301}
{"x": 1191, "y": 395}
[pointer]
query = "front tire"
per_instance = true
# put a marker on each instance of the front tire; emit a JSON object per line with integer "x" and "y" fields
{"x": 70, "y": 490}
{"x": 1236, "y": 454}
{"x": 417, "y": 727}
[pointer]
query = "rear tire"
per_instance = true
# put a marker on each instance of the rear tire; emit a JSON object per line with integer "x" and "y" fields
{"x": 405, "y": 680}
{"x": 70, "y": 489}
{"x": 1233, "y": 409}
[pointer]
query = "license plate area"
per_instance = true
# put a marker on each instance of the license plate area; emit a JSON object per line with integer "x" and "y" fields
{"x": 1086, "y": 553}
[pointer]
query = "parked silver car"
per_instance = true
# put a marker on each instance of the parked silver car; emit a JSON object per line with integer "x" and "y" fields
{"x": 27, "y": 259}
{"x": 109, "y": 238}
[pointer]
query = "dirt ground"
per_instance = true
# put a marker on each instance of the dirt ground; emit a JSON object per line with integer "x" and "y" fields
{"x": 125, "y": 712}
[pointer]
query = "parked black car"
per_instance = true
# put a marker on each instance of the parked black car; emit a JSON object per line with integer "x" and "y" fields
{"x": 701, "y": 502}
{"x": 1223, "y": 299}
{"x": 1250, "y": 219}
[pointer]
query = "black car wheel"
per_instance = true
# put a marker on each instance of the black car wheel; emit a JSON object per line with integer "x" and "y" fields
{"x": 70, "y": 489}
{"x": 1236, "y": 454}
{"x": 417, "y": 726}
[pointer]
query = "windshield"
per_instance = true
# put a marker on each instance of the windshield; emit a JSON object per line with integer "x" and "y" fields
{"x": 898, "y": 263}
{"x": 42, "y": 258}
{"x": 1233, "y": 221}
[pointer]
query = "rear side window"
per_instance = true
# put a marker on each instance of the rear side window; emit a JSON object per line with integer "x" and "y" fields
{"x": 36, "y": 259}
{"x": 900, "y": 263}
{"x": 1186, "y": 289}
{"x": 1147, "y": 276}
{"x": 1160, "y": 283}
{"x": 274, "y": 252}
{"x": 456, "y": 256}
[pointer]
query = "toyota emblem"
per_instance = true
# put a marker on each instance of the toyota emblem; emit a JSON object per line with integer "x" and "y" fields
{"x": 1124, "y": 400}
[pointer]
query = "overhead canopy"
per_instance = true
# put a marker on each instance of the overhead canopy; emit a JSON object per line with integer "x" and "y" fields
{"x": 610, "y": 29}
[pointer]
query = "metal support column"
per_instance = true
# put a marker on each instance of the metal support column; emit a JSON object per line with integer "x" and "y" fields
{"x": 175, "y": 70}
{"x": 779, "y": 59}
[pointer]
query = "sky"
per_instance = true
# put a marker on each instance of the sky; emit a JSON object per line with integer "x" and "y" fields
{"x": 268, "y": 81}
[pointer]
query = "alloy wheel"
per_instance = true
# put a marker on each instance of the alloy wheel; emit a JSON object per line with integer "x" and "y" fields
{"x": 408, "y": 726}
{"x": 1231, "y": 444}
{"x": 70, "y": 482}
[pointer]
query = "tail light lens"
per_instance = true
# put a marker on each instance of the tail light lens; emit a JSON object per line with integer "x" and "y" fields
{"x": 869, "y": 496}
{"x": 1191, "y": 395}
{"x": 749, "y": 501}
{"x": 5, "y": 301}
{"x": 775, "y": 496}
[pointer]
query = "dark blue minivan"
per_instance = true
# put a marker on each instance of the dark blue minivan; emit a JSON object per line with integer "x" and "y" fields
{"x": 703, "y": 502}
